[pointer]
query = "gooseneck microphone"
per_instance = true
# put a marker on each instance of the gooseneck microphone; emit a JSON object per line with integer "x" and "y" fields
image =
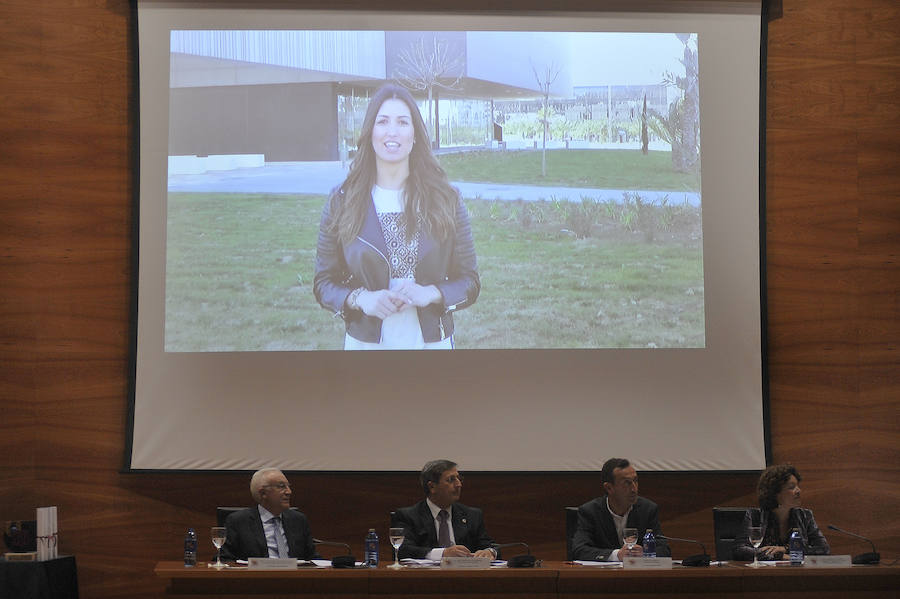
{"x": 340, "y": 561}
{"x": 870, "y": 557}
{"x": 518, "y": 561}
{"x": 698, "y": 560}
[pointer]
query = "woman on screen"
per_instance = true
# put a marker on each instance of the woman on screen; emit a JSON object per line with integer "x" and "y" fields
{"x": 779, "y": 513}
{"x": 395, "y": 256}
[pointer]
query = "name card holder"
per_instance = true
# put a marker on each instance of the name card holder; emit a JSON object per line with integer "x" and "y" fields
{"x": 468, "y": 563}
{"x": 648, "y": 563}
{"x": 827, "y": 561}
{"x": 21, "y": 556}
{"x": 271, "y": 563}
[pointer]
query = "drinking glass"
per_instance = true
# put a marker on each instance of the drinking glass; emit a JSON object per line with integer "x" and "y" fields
{"x": 629, "y": 535}
{"x": 755, "y": 533}
{"x": 218, "y": 539}
{"x": 396, "y": 537}
{"x": 756, "y": 537}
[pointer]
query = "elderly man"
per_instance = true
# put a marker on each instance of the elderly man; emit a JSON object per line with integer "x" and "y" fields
{"x": 602, "y": 521}
{"x": 270, "y": 528}
{"x": 439, "y": 525}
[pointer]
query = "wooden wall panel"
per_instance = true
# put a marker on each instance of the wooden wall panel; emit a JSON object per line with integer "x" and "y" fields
{"x": 66, "y": 135}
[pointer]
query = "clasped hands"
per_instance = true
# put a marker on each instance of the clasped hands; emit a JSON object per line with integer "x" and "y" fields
{"x": 636, "y": 551}
{"x": 463, "y": 551}
{"x": 770, "y": 552}
{"x": 407, "y": 294}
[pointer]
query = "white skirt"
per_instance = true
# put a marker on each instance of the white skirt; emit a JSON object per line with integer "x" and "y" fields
{"x": 399, "y": 331}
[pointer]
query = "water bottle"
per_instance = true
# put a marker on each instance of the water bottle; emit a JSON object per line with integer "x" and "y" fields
{"x": 649, "y": 544}
{"x": 795, "y": 546}
{"x": 371, "y": 544}
{"x": 190, "y": 548}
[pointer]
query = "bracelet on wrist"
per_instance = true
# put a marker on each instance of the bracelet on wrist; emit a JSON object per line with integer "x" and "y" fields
{"x": 352, "y": 302}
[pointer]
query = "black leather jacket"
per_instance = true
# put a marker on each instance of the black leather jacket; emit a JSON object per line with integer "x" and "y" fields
{"x": 449, "y": 265}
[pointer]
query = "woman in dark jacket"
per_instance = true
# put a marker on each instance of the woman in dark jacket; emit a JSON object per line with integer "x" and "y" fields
{"x": 395, "y": 256}
{"x": 779, "y": 501}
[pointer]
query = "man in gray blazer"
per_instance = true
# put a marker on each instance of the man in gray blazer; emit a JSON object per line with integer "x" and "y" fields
{"x": 439, "y": 525}
{"x": 270, "y": 528}
{"x": 601, "y": 521}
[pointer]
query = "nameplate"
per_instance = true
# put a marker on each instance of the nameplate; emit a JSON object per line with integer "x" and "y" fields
{"x": 468, "y": 563}
{"x": 22, "y": 556}
{"x": 827, "y": 561}
{"x": 272, "y": 563}
{"x": 648, "y": 563}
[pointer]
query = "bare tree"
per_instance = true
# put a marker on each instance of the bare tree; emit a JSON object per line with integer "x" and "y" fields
{"x": 426, "y": 66}
{"x": 545, "y": 78}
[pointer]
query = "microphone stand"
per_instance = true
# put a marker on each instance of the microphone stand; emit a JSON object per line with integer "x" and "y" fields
{"x": 518, "y": 561}
{"x": 339, "y": 561}
{"x": 870, "y": 557}
{"x": 692, "y": 561}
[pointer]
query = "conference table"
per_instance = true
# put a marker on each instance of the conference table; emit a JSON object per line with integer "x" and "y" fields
{"x": 556, "y": 580}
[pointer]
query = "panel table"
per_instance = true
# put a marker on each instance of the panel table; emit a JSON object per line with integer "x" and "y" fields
{"x": 554, "y": 579}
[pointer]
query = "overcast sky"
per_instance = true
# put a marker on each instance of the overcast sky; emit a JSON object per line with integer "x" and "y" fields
{"x": 624, "y": 58}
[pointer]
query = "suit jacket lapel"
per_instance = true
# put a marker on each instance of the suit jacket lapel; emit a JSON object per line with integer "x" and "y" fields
{"x": 259, "y": 533}
{"x": 289, "y": 522}
{"x": 460, "y": 525}
{"x": 608, "y": 524}
{"x": 428, "y": 520}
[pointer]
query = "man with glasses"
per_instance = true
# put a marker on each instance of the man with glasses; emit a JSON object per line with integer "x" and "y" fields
{"x": 602, "y": 521}
{"x": 439, "y": 525}
{"x": 270, "y": 528}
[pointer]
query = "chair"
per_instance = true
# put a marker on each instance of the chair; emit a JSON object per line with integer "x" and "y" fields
{"x": 727, "y": 524}
{"x": 222, "y": 512}
{"x": 571, "y": 525}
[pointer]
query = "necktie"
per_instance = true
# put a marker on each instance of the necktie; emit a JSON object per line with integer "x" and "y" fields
{"x": 443, "y": 529}
{"x": 280, "y": 538}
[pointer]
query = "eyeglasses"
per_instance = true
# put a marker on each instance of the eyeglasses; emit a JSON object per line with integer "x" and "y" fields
{"x": 279, "y": 486}
{"x": 452, "y": 479}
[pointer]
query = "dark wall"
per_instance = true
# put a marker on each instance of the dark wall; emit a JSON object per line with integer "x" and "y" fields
{"x": 66, "y": 184}
{"x": 286, "y": 122}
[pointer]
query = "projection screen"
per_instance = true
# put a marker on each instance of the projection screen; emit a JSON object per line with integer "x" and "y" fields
{"x": 607, "y": 162}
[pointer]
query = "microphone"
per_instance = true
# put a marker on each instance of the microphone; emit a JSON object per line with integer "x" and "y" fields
{"x": 700, "y": 559}
{"x": 518, "y": 561}
{"x": 870, "y": 557}
{"x": 339, "y": 561}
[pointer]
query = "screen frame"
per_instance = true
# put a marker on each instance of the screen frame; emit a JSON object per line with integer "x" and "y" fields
{"x": 344, "y": 5}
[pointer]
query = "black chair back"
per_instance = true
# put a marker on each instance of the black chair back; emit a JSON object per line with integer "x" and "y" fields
{"x": 727, "y": 523}
{"x": 222, "y": 512}
{"x": 571, "y": 525}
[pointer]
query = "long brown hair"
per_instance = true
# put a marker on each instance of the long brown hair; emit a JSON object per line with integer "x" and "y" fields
{"x": 428, "y": 193}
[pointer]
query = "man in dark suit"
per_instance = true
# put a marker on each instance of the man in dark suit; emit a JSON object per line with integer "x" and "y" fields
{"x": 439, "y": 525}
{"x": 270, "y": 528}
{"x": 601, "y": 521}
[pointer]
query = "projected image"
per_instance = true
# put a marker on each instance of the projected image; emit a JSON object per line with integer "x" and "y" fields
{"x": 551, "y": 195}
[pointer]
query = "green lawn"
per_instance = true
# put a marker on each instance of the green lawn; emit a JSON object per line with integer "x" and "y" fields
{"x": 605, "y": 169}
{"x": 239, "y": 271}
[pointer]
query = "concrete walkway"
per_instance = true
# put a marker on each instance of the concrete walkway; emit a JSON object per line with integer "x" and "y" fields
{"x": 322, "y": 177}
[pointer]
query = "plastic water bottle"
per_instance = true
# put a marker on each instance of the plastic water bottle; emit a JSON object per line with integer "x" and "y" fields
{"x": 190, "y": 548}
{"x": 372, "y": 549}
{"x": 649, "y": 544}
{"x": 795, "y": 546}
